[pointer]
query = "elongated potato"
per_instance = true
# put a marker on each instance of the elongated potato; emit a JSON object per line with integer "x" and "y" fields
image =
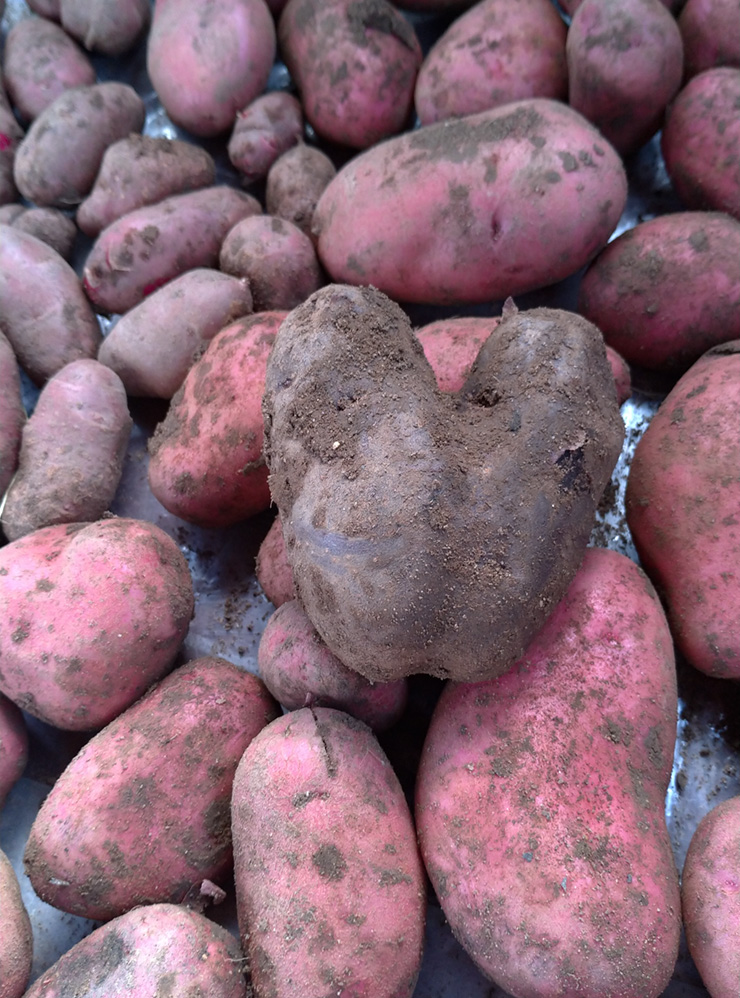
{"x": 540, "y": 799}
{"x": 473, "y": 209}
{"x": 16, "y": 938}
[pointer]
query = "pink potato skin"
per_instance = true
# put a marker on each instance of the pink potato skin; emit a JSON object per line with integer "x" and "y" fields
{"x": 263, "y": 131}
{"x": 682, "y": 501}
{"x": 129, "y": 582}
{"x": 622, "y": 376}
{"x": 11, "y": 135}
{"x": 118, "y": 806}
{"x": 207, "y": 465}
{"x": 354, "y": 63}
{"x": 710, "y": 897}
{"x": 51, "y": 226}
{"x": 495, "y": 53}
{"x": 157, "y": 949}
{"x": 329, "y": 884}
{"x": 43, "y": 310}
{"x": 209, "y": 58}
{"x": 13, "y": 747}
{"x": 153, "y": 346}
{"x": 701, "y": 142}
{"x": 526, "y": 194}
{"x": 144, "y": 249}
{"x": 571, "y": 6}
{"x": 666, "y": 291}
{"x": 451, "y": 346}
{"x": 12, "y": 413}
{"x": 16, "y": 937}
{"x": 625, "y": 63}
{"x": 708, "y": 39}
{"x": 273, "y": 570}
{"x": 299, "y": 670}
{"x": 540, "y": 800}
{"x": 110, "y": 27}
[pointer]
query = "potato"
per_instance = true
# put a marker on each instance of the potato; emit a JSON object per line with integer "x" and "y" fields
{"x": 263, "y": 131}
{"x": 295, "y": 182}
{"x": 300, "y": 671}
{"x": 272, "y": 570}
{"x": 625, "y": 63}
{"x": 144, "y": 249}
{"x": 622, "y": 375}
{"x": 11, "y": 134}
{"x": 110, "y": 27}
{"x": 118, "y": 806}
{"x": 207, "y": 465}
{"x": 431, "y": 532}
{"x": 45, "y": 314}
{"x": 139, "y": 170}
{"x": 158, "y": 949}
{"x": 540, "y": 800}
{"x": 277, "y": 259}
{"x": 58, "y": 160}
{"x": 707, "y": 42}
{"x": 12, "y": 414}
{"x": 94, "y": 613}
{"x": 525, "y": 195}
{"x": 16, "y": 938}
{"x": 207, "y": 59}
{"x": 495, "y": 53}
{"x": 153, "y": 346}
{"x": 354, "y": 63}
{"x": 710, "y": 896}
{"x": 72, "y": 451}
{"x": 41, "y": 62}
{"x": 51, "y": 226}
{"x": 667, "y": 290}
{"x": 682, "y": 501}
{"x": 329, "y": 885}
{"x": 13, "y": 748}
{"x": 451, "y": 346}
{"x": 701, "y": 142}
{"x": 46, "y": 8}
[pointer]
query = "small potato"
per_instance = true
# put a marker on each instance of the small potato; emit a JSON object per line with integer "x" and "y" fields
{"x": 153, "y": 346}
{"x": 263, "y": 131}
{"x": 139, "y": 170}
{"x": 273, "y": 569}
{"x": 58, "y": 160}
{"x": 110, "y": 27}
{"x": 451, "y": 346}
{"x": 707, "y": 42}
{"x": 16, "y": 937}
{"x": 181, "y": 742}
{"x": 41, "y": 62}
{"x": 72, "y": 451}
{"x": 150, "y": 246}
{"x": 13, "y": 749}
{"x": 622, "y": 375}
{"x": 51, "y": 226}
{"x": 277, "y": 259}
{"x": 295, "y": 183}
{"x": 131, "y": 584}
{"x": 45, "y": 314}
{"x": 12, "y": 413}
{"x": 329, "y": 885}
{"x": 710, "y": 896}
{"x": 158, "y": 949}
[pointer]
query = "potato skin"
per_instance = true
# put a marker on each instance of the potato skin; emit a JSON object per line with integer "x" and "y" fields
{"x": 329, "y": 884}
{"x": 681, "y": 504}
{"x": 272, "y": 569}
{"x": 11, "y": 135}
{"x": 12, "y": 413}
{"x": 263, "y": 131}
{"x": 503, "y": 184}
{"x": 706, "y": 40}
{"x": 451, "y": 346}
{"x": 51, "y": 226}
{"x": 710, "y": 896}
{"x": 13, "y": 747}
{"x": 113, "y": 833}
{"x": 295, "y": 182}
{"x": 540, "y": 799}
{"x": 110, "y": 27}
{"x": 16, "y": 938}
{"x": 432, "y": 570}
{"x": 155, "y": 949}
{"x": 134, "y": 587}
{"x": 667, "y": 290}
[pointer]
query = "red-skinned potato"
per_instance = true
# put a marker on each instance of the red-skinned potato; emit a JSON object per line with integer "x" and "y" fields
{"x": 12, "y": 414}
{"x": 451, "y": 346}
{"x": 133, "y": 586}
{"x": 11, "y": 134}
{"x": 110, "y": 27}
{"x": 622, "y": 374}
{"x": 273, "y": 569}
{"x": 49, "y": 225}
{"x": 329, "y": 885}
{"x": 707, "y": 42}
{"x": 46, "y": 8}
{"x": 209, "y": 58}
{"x": 119, "y": 801}
{"x": 710, "y": 897}
{"x": 540, "y": 800}
{"x": 13, "y": 747}
{"x": 682, "y": 500}
{"x": 16, "y": 937}
{"x": 263, "y": 131}
{"x": 295, "y": 182}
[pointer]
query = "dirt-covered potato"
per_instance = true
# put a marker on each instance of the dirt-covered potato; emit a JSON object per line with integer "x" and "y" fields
{"x": 428, "y": 531}
{"x": 263, "y": 131}
{"x": 295, "y": 182}
{"x": 11, "y": 135}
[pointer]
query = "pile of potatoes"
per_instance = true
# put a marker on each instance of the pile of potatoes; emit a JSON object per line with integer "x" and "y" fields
{"x": 317, "y": 258}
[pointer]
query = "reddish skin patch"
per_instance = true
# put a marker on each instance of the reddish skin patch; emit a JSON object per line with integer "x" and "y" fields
{"x": 5, "y": 142}
{"x": 153, "y": 287}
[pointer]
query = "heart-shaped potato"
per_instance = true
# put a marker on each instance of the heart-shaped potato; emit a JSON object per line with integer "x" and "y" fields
{"x": 433, "y": 532}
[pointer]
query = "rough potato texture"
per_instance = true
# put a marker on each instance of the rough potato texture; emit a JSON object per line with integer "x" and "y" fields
{"x": 329, "y": 884}
{"x": 58, "y": 160}
{"x": 13, "y": 747}
{"x": 139, "y": 170}
{"x": 114, "y": 832}
{"x": 273, "y": 570}
{"x": 431, "y": 532}
{"x": 12, "y": 413}
{"x": 72, "y": 451}
{"x": 707, "y": 42}
{"x": 43, "y": 310}
{"x": 94, "y": 613}
{"x": 159, "y": 949}
{"x": 473, "y": 209}
{"x": 682, "y": 501}
{"x": 263, "y": 131}
{"x": 710, "y": 895}
{"x": 541, "y": 800}
{"x": 16, "y": 939}
{"x": 110, "y": 27}
{"x": 295, "y": 183}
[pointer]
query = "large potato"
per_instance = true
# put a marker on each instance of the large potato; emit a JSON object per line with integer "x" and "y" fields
{"x": 429, "y": 531}
{"x": 540, "y": 800}
{"x": 473, "y": 209}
